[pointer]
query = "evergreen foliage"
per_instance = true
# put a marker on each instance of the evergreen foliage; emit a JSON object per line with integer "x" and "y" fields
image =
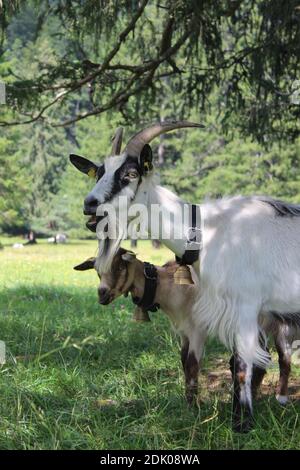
{"x": 76, "y": 70}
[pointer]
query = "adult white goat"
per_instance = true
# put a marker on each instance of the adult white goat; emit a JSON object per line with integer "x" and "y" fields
{"x": 250, "y": 260}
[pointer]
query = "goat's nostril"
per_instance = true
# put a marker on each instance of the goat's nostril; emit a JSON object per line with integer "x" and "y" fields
{"x": 94, "y": 203}
{"x": 90, "y": 204}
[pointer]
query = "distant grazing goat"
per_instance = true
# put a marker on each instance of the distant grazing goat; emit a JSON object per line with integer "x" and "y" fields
{"x": 154, "y": 286}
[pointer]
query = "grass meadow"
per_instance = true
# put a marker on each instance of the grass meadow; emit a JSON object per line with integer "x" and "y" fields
{"x": 82, "y": 376}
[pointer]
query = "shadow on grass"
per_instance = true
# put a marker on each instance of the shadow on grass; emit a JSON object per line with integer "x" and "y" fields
{"x": 80, "y": 375}
{"x": 38, "y": 320}
{"x": 145, "y": 423}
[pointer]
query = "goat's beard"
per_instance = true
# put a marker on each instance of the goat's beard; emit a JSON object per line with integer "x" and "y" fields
{"x": 108, "y": 247}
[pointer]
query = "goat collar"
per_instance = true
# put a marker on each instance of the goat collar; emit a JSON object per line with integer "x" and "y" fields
{"x": 147, "y": 301}
{"x": 193, "y": 243}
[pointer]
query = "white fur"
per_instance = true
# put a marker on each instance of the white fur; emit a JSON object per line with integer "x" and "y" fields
{"x": 282, "y": 399}
{"x": 250, "y": 263}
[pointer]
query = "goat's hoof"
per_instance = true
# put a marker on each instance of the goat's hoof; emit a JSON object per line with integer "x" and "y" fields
{"x": 282, "y": 399}
{"x": 242, "y": 428}
{"x": 242, "y": 425}
{"x": 191, "y": 399}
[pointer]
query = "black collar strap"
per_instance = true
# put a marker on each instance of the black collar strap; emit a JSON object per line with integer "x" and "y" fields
{"x": 147, "y": 301}
{"x": 194, "y": 239}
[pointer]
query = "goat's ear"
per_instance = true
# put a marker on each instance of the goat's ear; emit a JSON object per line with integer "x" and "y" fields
{"x": 146, "y": 158}
{"x": 88, "y": 264}
{"x": 129, "y": 256}
{"x": 84, "y": 165}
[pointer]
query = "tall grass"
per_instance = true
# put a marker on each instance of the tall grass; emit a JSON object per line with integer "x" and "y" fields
{"x": 81, "y": 376}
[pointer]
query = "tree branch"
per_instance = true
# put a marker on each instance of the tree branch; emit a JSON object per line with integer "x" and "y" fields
{"x": 60, "y": 96}
{"x": 75, "y": 86}
{"x": 124, "y": 95}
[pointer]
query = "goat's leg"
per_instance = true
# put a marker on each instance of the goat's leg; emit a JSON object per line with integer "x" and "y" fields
{"x": 242, "y": 407}
{"x": 190, "y": 368}
{"x": 258, "y": 374}
{"x": 191, "y": 371}
{"x": 246, "y": 352}
{"x": 191, "y": 353}
{"x": 283, "y": 348}
{"x": 184, "y": 350}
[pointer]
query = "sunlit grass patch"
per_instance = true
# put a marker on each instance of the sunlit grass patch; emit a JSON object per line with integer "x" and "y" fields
{"x": 79, "y": 375}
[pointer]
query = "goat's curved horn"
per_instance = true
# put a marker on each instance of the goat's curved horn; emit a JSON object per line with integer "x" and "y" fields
{"x": 117, "y": 142}
{"x": 137, "y": 142}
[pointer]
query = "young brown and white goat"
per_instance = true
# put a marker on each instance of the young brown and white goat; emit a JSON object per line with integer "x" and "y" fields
{"x": 127, "y": 276}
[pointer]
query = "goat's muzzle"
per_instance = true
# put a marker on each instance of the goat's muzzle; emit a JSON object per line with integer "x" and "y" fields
{"x": 104, "y": 295}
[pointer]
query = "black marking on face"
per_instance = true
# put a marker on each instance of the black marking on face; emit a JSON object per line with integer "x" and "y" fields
{"x": 122, "y": 178}
{"x": 100, "y": 172}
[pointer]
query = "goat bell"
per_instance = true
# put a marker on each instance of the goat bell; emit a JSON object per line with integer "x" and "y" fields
{"x": 183, "y": 275}
{"x": 140, "y": 316}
